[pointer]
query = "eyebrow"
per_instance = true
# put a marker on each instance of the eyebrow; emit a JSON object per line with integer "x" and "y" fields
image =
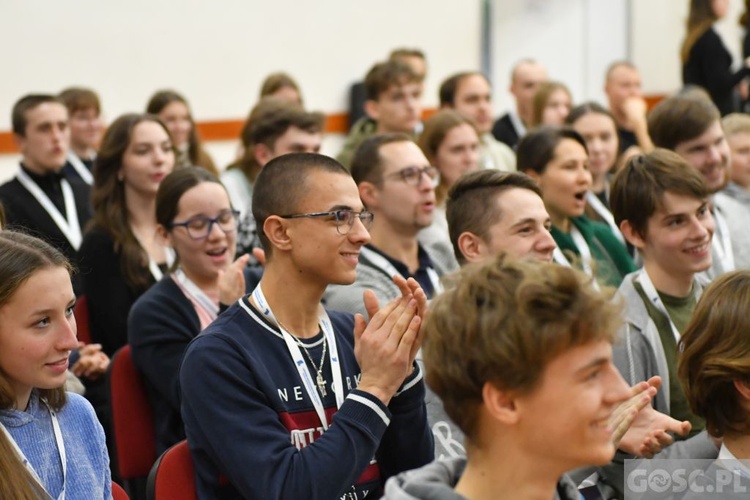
{"x": 527, "y": 220}
{"x": 678, "y": 214}
{"x": 593, "y": 364}
{"x": 343, "y": 207}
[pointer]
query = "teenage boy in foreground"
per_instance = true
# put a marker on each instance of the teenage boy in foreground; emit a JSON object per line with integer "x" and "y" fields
{"x": 282, "y": 399}
{"x": 541, "y": 337}
{"x": 661, "y": 205}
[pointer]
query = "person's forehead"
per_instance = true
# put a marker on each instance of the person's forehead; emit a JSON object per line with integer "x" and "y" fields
{"x": 516, "y": 204}
{"x": 624, "y": 74}
{"x": 474, "y": 83}
{"x": 529, "y": 72}
{"x": 47, "y": 111}
{"x": 711, "y": 134}
{"x": 329, "y": 190}
{"x": 399, "y": 155}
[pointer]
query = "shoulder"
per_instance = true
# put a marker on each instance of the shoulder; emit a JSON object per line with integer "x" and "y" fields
{"x": 164, "y": 296}
{"x": 78, "y": 409}
{"x": 97, "y": 239}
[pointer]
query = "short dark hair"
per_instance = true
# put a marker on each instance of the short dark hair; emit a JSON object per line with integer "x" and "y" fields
{"x": 537, "y": 148}
{"x": 283, "y": 182}
{"x": 450, "y": 85}
{"x": 174, "y": 186}
{"x": 681, "y": 118}
{"x": 637, "y": 190}
{"x": 367, "y": 164}
{"x": 25, "y": 104}
{"x": 471, "y": 202}
{"x": 80, "y": 98}
{"x": 384, "y": 75}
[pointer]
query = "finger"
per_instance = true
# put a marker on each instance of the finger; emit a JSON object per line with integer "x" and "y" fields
{"x": 655, "y": 382}
{"x": 402, "y": 284}
{"x": 241, "y": 261}
{"x": 410, "y": 336}
{"x": 260, "y": 256}
{"x": 397, "y": 322}
{"x": 359, "y": 327}
{"x": 421, "y": 299}
{"x": 371, "y": 303}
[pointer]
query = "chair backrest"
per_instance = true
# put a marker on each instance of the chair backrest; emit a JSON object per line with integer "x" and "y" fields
{"x": 173, "y": 476}
{"x": 132, "y": 417}
{"x": 118, "y": 493}
{"x": 81, "y": 313}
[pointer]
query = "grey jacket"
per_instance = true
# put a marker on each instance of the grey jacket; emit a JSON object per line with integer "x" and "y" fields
{"x": 639, "y": 355}
{"x": 737, "y": 216}
{"x": 435, "y": 481}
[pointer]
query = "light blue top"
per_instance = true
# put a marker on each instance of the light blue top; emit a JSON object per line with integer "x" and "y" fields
{"x": 88, "y": 473}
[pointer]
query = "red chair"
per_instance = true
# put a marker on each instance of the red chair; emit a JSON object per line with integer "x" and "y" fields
{"x": 118, "y": 493}
{"x": 173, "y": 476}
{"x": 81, "y": 313}
{"x": 132, "y": 421}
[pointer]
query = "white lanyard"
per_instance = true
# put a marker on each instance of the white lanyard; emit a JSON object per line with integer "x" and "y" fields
{"x": 153, "y": 267}
{"x": 723, "y": 248}
{"x": 299, "y": 361}
{"x": 559, "y": 257}
{"x": 653, "y": 297}
{"x": 80, "y": 168}
{"x": 583, "y": 249}
{"x": 60, "y": 451}
{"x": 605, "y": 214}
{"x": 70, "y": 226}
{"x": 382, "y": 263}
{"x": 197, "y": 294}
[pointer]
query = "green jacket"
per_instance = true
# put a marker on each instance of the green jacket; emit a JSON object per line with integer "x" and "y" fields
{"x": 362, "y": 130}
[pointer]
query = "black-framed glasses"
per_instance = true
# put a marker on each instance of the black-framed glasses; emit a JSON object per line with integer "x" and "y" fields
{"x": 200, "y": 226}
{"x": 413, "y": 175}
{"x": 344, "y": 219}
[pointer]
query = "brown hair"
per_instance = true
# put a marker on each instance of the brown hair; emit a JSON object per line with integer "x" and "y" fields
{"x": 23, "y": 255}
{"x": 367, "y": 164}
{"x": 196, "y": 154}
{"x": 637, "y": 190}
{"x": 277, "y": 81}
{"x": 269, "y": 120}
{"x": 542, "y": 96}
{"x": 472, "y": 207}
{"x": 435, "y": 129}
{"x": 449, "y": 87}
{"x": 735, "y": 123}
{"x": 681, "y": 118}
{"x": 79, "y": 98}
{"x": 26, "y": 104}
{"x": 700, "y": 18}
{"x": 108, "y": 198}
{"x": 716, "y": 352}
{"x": 537, "y": 148}
{"x": 384, "y": 75}
{"x": 502, "y": 323}
{"x": 283, "y": 183}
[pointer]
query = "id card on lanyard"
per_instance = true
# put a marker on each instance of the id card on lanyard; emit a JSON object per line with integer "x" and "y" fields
{"x": 299, "y": 361}
{"x": 60, "y": 450}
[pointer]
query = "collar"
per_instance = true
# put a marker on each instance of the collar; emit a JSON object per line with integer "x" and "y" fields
{"x": 16, "y": 418}
{"x": 46, "y": 178}
{"x": 423, "y": 258}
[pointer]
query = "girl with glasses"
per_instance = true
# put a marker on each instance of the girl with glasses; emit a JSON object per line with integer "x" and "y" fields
{"x": 195, "y": 217}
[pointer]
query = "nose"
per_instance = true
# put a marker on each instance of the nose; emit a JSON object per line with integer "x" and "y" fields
{"x": 546, "y": 243}
{"x": 701, "y": 228}
{"x": 584, "y": 176}
{"x": 358, "y": 234}
{"x": 617, "y": 390}
{"x": 68, "y": 339}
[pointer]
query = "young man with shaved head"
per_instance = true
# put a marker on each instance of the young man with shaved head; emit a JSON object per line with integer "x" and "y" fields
{"x": 525, "y": 79}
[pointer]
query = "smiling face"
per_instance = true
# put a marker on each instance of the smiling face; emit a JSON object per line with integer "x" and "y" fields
{"x": 600, "y": 134}
{"x": 564, "y": 182}
{"x": 202, "y": 259}
{"x": 678, "y": 237}
{"x": 574, "y": 434}
{"x": 522, "y": 229}
{"x": 148, "y": 159}
{"x": 45, "y": 142}
{"x": 457, "y": 154}
{"x": 404, "y": 208}
{"x": 708, "y": 153}
{"x": 37, "y": 333}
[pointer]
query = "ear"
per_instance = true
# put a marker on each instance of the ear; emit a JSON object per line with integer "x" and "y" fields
{"x": 262, "y": 154}
{"x": 372, "y": 109}
{"x": 632, "y": 235}
{"x": 535, "y": 176}
{"x": 164, "y": 235}
{"x": 500, "y": 404}
{"x": 19, "y": 141}
{"x": 368, "y": 193}
{"x": 743, "y": 388}
{"x": 275, "y": 229}
{"x": 472, "y": 247}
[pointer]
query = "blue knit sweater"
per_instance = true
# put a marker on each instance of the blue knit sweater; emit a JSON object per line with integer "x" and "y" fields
{"x": 85, "y": 449}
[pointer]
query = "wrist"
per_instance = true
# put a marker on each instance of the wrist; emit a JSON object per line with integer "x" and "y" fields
{"x": 382, "y": 394}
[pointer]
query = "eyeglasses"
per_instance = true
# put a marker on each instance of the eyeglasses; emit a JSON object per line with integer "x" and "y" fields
{"x": 200, "y": 227}
{"x": 344, "y": 219}
{"x": 413, "y": 175}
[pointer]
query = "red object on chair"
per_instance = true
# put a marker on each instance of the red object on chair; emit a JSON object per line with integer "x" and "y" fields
{"x": 81, "y": 313}
{"x": 132, "y": 418}
{"x": 173, "y": 476}
{"x": 118, "y": 493}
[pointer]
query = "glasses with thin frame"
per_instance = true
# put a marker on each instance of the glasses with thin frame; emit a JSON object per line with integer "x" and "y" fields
{"x": 344, "y": 218}
{"x": 200, "y": 226}
{"x": 413, "y": 175}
